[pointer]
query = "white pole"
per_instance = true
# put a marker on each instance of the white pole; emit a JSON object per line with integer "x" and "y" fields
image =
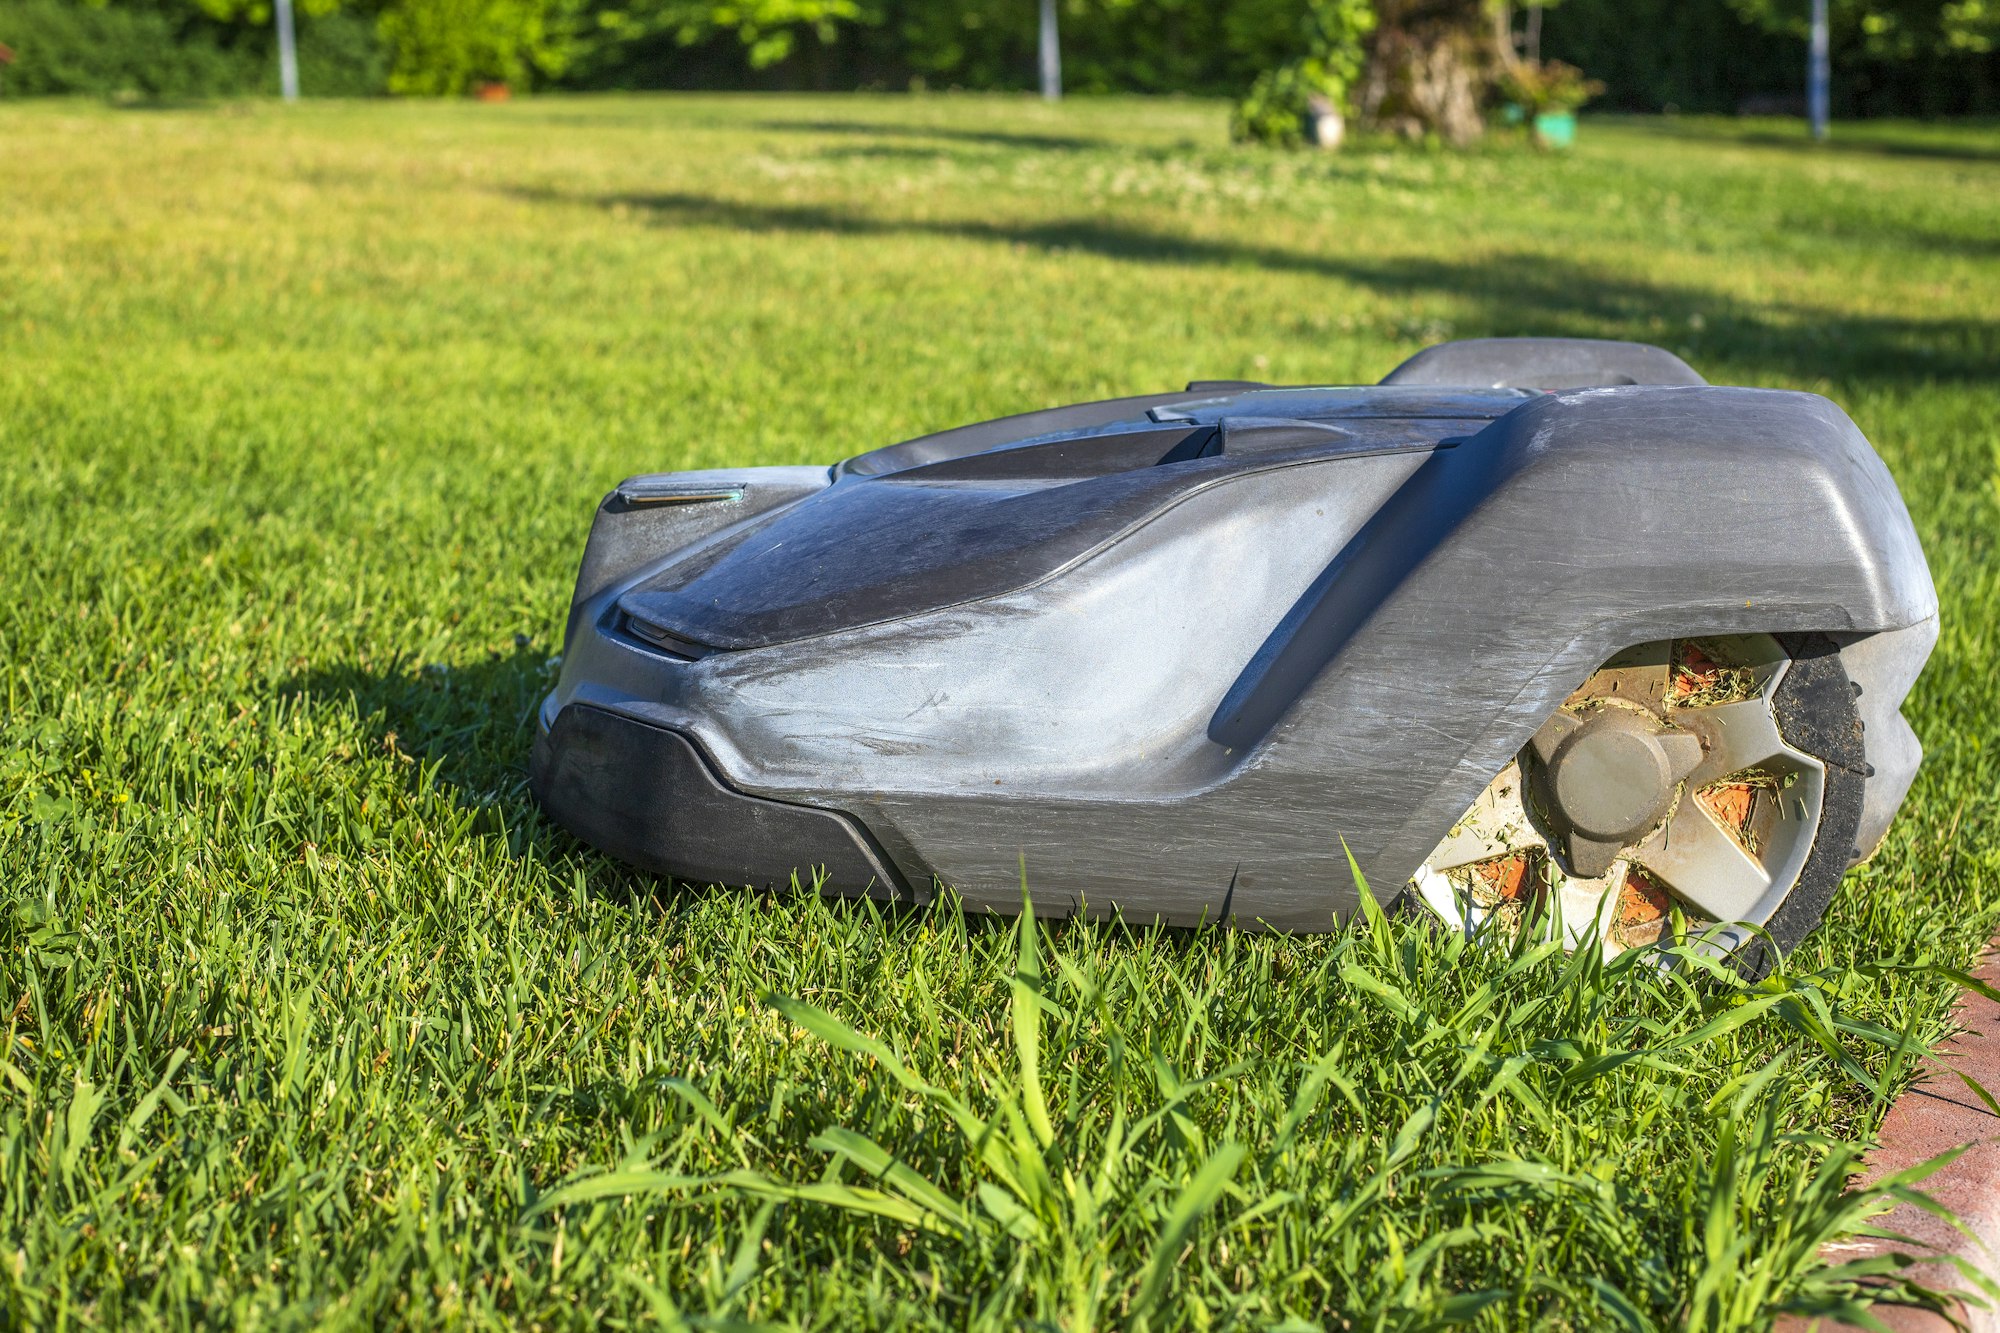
{"x": 1051, "y": 52}
{"x": 288, "y": 53}
{"x": 1818, "y": 72}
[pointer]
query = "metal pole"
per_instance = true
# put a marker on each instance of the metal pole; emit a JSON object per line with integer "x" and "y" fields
{"x": 288, "y": 53}
{"x": 1818, "y": 72}
{"x": 1051, "y": 52}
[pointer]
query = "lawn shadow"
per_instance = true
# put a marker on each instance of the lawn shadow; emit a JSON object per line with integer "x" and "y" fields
{"x": 1068, "y": 143}
{"x": 471, "y": 727}
{"x": 884, "y": 152}
{"x": 474, "y": 721}
{"x": 1501, "y": 294}
{"x": 164, "y": 102}
{"x": 1867, "y": 141}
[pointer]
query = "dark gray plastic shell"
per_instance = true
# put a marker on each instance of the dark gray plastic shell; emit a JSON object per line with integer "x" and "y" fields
{"x": 1194, "y": 714}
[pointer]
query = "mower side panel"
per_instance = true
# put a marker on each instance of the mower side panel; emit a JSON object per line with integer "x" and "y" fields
{"x": 1510, "y": 569}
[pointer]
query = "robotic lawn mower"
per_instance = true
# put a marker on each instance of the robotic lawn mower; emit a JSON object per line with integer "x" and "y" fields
{"x": 1531, "y": 622}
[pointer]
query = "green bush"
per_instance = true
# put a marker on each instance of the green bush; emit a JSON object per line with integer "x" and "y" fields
{"x": 167, "y": 52}
{"x": 1702, "y": 55}
{"x": 1540, "y": 87}
{"x": 1275, "y": 109}
{"x": 1330, "y": 33}
{"x": 1154, "y": 46}
{"x": 442, "y": 47}
{"x": 1651, "y": 54}
{"x": 64, "y": 47}
{"x": 340, "y": 55}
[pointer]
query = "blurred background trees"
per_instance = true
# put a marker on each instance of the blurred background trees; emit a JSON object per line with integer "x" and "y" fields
{"x": 1429, "y": 67}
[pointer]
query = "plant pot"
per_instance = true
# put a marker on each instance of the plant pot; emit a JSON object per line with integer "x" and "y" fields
{"x": 1555, "y": 129}
{"x": 1325, "y": 129}
{"x": 1324, "y": 126}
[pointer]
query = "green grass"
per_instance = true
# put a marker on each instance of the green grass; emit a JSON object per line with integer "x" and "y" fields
{"x": 309, "y": 1018}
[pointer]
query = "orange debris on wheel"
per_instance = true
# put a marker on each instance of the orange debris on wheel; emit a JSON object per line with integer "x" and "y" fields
{"x": 1503, "y": 880}
{"x": 1695, "y": 671}
{"x": 1731, "y": 804}
{"x": 1642, "y": 913}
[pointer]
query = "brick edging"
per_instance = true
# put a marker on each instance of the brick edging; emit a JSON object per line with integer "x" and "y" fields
{"x": 1937, "y": 1114}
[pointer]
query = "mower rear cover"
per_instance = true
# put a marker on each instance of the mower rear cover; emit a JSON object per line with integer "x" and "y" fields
{"x": 1532, "y": 623}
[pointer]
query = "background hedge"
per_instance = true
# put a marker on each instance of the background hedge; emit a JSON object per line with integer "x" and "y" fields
{"x": 1653, "y": 55}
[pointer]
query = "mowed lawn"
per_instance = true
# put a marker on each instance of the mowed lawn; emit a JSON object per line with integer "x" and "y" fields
{"x": 308, "y": 1016}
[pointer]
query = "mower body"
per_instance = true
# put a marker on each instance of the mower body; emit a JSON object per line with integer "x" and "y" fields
{"x": 1181, "y": 654}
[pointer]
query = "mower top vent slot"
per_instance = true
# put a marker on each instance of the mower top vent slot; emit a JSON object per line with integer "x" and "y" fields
{"x": 662, "y": 640}
{"x": 1071, "y": 458}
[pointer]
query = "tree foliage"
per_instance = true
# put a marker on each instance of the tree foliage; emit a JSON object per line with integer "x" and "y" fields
{"x": 1894, "y": 30}
{"x": 446, "y": 46}
{"x": 449, "y": 46}
{"x": 768, "y": 29}
{"x": 1331, "y": 35}
{"x": 1423, "y": 66}
{"x": 180, "y": 49}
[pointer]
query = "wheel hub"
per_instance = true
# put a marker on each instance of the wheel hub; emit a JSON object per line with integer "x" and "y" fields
{"x": 1609, "y": 776}
{"x": 1661, "y": 789}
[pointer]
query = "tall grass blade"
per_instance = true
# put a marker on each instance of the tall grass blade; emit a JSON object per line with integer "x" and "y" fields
{"x": 1027, "y": 1016}
{"x": 1200, "y": 1194}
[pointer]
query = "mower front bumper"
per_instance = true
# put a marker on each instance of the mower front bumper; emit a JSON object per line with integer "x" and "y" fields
{"x": 646, "y": 795}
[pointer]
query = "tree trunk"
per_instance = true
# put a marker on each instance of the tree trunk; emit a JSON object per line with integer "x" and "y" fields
{"x": 1429, "y": 65}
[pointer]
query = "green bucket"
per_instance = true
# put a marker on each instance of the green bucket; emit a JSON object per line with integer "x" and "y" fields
{"x": 1556, "y": 129}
